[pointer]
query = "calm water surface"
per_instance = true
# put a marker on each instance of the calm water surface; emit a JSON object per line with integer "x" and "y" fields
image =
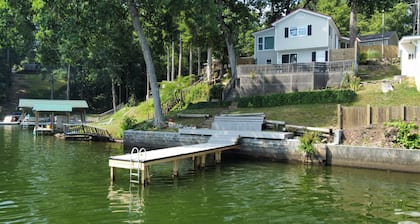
{"x": 48, "y": 180}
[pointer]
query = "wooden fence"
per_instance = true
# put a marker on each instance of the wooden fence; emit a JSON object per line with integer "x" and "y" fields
{"x": 353, "y": 117}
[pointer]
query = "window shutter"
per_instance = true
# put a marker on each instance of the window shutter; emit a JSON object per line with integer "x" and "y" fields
{"x": 309, "y": 30}
{"x": 286, "y": 32}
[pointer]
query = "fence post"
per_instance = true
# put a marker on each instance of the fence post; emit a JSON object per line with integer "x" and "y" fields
{"x": 339, "y": 116}
{"x": 368, "y": 115}
{"x": 403, "y": 113}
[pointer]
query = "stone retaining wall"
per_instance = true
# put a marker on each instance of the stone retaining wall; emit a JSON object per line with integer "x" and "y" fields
{"x": 287, "y": 150}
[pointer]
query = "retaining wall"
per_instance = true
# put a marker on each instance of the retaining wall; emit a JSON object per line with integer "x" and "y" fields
{"x": 287, "y": 150}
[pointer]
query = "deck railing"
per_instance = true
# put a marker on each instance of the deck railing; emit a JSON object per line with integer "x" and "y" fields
{"x": 335, "y": 66}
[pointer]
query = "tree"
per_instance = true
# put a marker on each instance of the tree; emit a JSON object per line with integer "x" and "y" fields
{"x": 367, "y": 7}
{"x": 158, "y": 120}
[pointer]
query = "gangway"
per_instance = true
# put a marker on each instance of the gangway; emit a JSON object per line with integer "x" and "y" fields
{"x": 86, "y": 132}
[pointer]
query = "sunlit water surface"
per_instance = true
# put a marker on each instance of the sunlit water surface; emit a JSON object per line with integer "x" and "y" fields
{"x": 47, "y": 180}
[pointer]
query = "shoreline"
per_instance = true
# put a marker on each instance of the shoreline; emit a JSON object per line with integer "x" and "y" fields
{"x": 392, "y": 159}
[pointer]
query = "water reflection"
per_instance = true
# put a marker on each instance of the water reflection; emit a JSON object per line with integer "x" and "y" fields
{"x": 129, "y": 201}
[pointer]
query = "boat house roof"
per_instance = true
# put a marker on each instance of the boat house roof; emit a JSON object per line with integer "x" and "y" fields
{"x": 42, "y": 105}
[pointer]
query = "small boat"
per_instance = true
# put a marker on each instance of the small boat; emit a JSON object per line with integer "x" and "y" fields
{"x": 10, "y": 120}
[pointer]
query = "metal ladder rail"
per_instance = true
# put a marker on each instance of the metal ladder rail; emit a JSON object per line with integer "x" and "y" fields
{"x": 137, "y": 155}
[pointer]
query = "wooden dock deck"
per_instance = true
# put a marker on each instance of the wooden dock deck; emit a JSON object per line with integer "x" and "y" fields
{"x": 224, "y": 135}
{"x": 142, "y": 160}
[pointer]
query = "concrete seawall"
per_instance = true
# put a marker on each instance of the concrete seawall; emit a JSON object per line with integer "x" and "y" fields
{"x": 287, "y": 150}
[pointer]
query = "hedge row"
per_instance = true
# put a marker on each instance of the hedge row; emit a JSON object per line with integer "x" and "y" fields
{"x": 312, "y": 97}
{"x": 203, "y": 105}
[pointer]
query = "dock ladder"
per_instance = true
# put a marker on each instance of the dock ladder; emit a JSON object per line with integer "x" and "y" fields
{"x": 137, "y": 155}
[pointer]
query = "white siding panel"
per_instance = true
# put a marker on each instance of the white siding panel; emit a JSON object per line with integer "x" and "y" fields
{"x": 302, "y": 19}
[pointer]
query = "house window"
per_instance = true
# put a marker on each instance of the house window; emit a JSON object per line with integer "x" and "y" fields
{"x": 326, "y": 55}
{"x": 293, "y": 31}
{"x": 268, "y": 43}
{"x": 313, "y": 55}
{"x": 302, "y": 31}
{"x": 289, "y": 58}
{"x": 285, "y": 59}
{"x": 260, "y": 43}
{"x": 299, "y": 31}
{"x": 286, "y": 32}
{"x": 293, "y": 58}
{"x": 329, "y": 30}
{"x": 268, "y": 61}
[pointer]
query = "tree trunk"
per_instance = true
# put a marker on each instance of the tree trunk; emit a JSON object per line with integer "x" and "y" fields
{"x": 353, "y": 23}
{"x": 150, "y": 67}
{"x": 68, "y": 83}
{"x": 198, "y": 62}
{"x": 209, "y": 63}
{"x": 190, "y": 63}
{"x": 173, "y": 62}
{"x": 232, "y": 56}
{"x": 180, "y": 57}
{"x": 114, "y": 97}
{"x": 168, "y": 64}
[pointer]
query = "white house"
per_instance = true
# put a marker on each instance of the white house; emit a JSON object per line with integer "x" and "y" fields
{"x": 409, "y": 50}
{"x": 300, "y": 37}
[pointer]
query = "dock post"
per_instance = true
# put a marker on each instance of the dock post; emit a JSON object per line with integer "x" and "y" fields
{"x": 218, "y": 156}
{"x": 193, "y": 162}
{"x": 112, "y": 176}
{"x": 145, "y": 176}
{"x": 175, "y": 168}
{"x": 203, "y": 161}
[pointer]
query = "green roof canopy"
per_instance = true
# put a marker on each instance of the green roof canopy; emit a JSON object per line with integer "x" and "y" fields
{"x": 51, "y": 107}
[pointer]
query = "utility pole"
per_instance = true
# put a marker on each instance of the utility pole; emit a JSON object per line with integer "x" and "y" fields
{"x": 418, "y": 16}
{"x": 383, "y": 31}
{"x": 416, "y": 21}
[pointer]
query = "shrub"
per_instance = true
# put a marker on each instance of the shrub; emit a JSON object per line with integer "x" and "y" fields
{"x": 407, "y": 135}
{"x": 307, "y": 142}
{"x": 216, "y": 91}
{"x": 323, "y": 96}
{"x": 128, "y": 123}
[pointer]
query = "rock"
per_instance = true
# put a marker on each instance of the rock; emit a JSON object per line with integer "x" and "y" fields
{"x": 387, "y": 87}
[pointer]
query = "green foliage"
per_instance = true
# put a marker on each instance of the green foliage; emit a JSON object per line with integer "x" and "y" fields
{"x": 408, "y": 136}
{"x": 180, "y": 92}
{"x": 204, "y": 105}
{"x": 312, "y": 97}
{"x": 307, "y": 142}
{"x": 132, "y": 101}
{"x": 216, "y": 91}
{"x": 351, "y": 81}
{"x": 128, "y": 123}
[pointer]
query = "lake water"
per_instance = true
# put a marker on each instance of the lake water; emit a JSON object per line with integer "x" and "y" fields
{"x": 48, "y": 180}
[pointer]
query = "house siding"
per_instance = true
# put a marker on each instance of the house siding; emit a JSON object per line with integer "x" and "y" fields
{"x": 296, "y": 37}
{"x": 410, "y": 58}
{"x": 264, "y": 56}
{"x": 315, "y": 40}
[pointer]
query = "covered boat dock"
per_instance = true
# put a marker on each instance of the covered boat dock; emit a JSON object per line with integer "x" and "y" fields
{"x": 57, "y": 112}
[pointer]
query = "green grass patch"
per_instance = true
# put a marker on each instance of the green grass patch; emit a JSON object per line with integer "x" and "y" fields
{"x": 313, "y": 115}
{"x": 403, "y": 94}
